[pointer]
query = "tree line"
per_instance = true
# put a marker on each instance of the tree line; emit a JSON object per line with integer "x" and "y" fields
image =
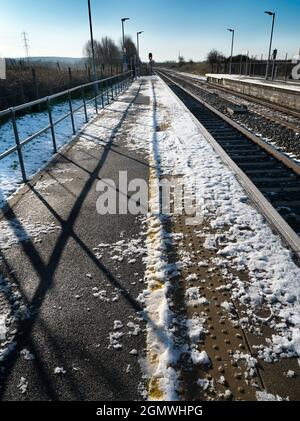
{"x": 33, "y": 78}
{"x": 108, "y": 54}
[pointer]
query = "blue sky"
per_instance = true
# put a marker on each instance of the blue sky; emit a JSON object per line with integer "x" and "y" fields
{"x": 193, "y": 27}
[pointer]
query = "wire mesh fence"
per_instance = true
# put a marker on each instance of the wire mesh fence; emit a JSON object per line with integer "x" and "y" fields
{"x": 26, "y": 81}
{"x": 246, "y": 66}
{"x": 86, "y": 99}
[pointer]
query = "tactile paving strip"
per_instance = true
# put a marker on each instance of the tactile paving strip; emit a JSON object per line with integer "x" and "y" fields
{"x": 223, "y": 338}
{"x": 273, "y": 375}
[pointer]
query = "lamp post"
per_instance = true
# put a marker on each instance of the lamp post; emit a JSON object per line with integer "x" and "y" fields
{"x": 92, "y": 41}
{"x": 138, "y": 49}
{"x": 232, "y": 42}
{"x": 271, "y": 39}
{"x": 247, "y": 63}
{"x": 123, "y": 38}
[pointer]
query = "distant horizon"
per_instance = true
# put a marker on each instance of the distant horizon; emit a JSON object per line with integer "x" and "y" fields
{"x": 84, "y": 57}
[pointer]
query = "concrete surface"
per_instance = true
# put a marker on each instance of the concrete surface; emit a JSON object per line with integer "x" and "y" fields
{"x": 69, "y": 327}
{"x": 281, "y": 94}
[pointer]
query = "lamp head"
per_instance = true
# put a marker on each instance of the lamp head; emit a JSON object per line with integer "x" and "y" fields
{"x": 124, "y": 19}
{"x": 270, "y": 13}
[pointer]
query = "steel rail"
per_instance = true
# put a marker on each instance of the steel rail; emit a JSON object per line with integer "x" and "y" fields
{"x": 258, "y": 101}
{"x": 264, "y": 145}
{"x": 276, "y": 221}
{"x": 255, "y": 102}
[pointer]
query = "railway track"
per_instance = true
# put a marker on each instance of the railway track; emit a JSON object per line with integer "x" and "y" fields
{"x": 280, "y": 115}
{"x": 262, "y": 168}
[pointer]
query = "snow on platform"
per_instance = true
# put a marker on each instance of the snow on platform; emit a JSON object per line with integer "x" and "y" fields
{"x": 69, "y": 277}
{"x": 289, "y": 86}
{"x": 38, "y": 152}
{"x": 257, "y": 271}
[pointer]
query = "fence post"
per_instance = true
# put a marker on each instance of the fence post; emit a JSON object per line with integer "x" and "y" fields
{"x": 102, "y": 97}
{"x": 22, "y": 91}
{"x": 107, "y": 93}
{"x": 51, "y": 125}
{"x": 34, "y": 82}
{"x": 35, "y": 86}
{"x": 19, "y": 147}
{"x": 116, "y": 87}
{"x": 70, "y": 76}
{"x": 84, "y": 104}
{"x": 71, "y": 111}
{"x": 286, "y": 67}
{"x": 111, "y": 89}
{"x": 96, "y": 94}
{"x": 273, "y": 69}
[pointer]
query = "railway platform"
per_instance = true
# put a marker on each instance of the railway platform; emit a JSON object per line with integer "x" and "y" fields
{"x": 280, "y": 93}
{"x": 193, "y": 298}
{"x": 67, "y": 290}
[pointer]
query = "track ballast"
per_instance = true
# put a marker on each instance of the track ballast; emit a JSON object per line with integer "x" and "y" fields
{"x": 278, "y": 183}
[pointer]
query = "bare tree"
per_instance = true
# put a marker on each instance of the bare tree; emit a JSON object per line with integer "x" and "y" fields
{"x": 87, "y": 52}
{"x": 106, "y": 53}
{"x": 109, "y": 52}
{"x": 181, "y": 61}
{"x": 131, "y": 51}
{"x": 215, "y": 57}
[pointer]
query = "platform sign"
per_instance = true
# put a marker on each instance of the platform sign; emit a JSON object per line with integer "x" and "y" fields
{"x": 2, "y": 68}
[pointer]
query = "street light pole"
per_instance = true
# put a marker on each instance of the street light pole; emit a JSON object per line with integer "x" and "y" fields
{"x": 138, "y": 48}
{"x": 123, "y": 41}
{"x": 232, "y": 42}
{"x": 93, "y": 54}
{"x": 92, "y": 41}
{"x": 271, "y": 39}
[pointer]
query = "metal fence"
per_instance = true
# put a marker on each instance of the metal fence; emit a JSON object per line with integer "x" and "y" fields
{"x": 98, "y": 93}
{"x": 250, "y": 66}
{"x": 28, "y": 81}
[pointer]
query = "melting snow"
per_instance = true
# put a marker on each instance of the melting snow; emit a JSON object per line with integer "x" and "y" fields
{"x": 194, "y": 298}
{"x": 200, "y": 358}
{"x": 27, "y": 355}
{"x": 59, "y": 370}
{"x": 23, "y": 385}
